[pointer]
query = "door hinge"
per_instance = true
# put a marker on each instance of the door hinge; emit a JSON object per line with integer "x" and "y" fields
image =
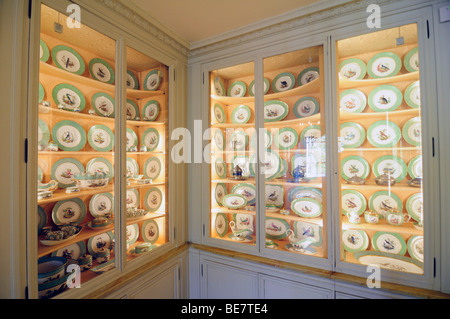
{"x": 26, "y": 151}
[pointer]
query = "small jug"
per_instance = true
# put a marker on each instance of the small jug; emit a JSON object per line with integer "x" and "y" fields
{"x": 353, "y": 217}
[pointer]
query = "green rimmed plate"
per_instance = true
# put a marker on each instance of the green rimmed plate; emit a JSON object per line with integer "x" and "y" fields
{"x": 286, "y": 138}
{"x": 132, "y": 110}
{"x": 416, "y": 247}
{"x": 103, "y": 104}
{"x": 132, "y": 197}
{"x": 385, "y": 98}
{"x": 150, "y": 231}
{"x": 383, "y": 201}
{"x": 132, "y": 232}
{"x": 241, "y": 114}
{"x": 306, "y": 207}
{"x": 237, "y": 89}
{"x": 152, "y": 167}
{"x": 238, "y": 141}
{"x": 219, "y": 192}
{"x": 101, "y": 138}
{"x": 354, "y": 240}
{"x": 132, "y": 81}
{"x": 219, "y": 113}
{"x": 234, "y": 201}
{"x": 99, "y": 242}
{"x": 219, "y": 139}
{"x": 42, "y": 219}
{"x": 150, "y": 138}
{"x": 44, "y": 53}
{"x": 353, "y": 201}
{"x": 152, "y": 80}
{"x": 274, "y": 195}
{"x": 414, "y": 206}
{"x": 101, "y": 71}
{"x": 412, "y": 131}
{"x": 267, "y": 138}
{"x": 151, "y": 110}
{"x": 308, "y": 161}
{"x": 64, "y": 171}
{"x": 69, "y": 97}
{"x": 411, "y": 60}
{"x": 220, "y": 168}
{"x": 412, "y": 95}
{"x": 415, "y": 167}
{"x": 69, "y": 135}
{"x": 43, "y": 133}
{"x": 352, "y": 134}
{"x": 275, "y": 110}
{"x": 396, "y": 165}
{"x": 384, "y": 134}
{"x": 221, "y": 224}
{"x": 283, "y": 82}
{"x": 68, "y": 59}
{"x": 219, "y": 87}
{"x": 276, "y": 228}
{"x": 41, "y": 92}
{"x": 390, "y": 261}
{"x": 73, "y": 251}
{"x": 354, "y": 166}
{"x": 247, "y": 190}
{"x": 389, "y": 242}
{"x": 132, "y": 167}
{"x": 131, "y": 138}
{"x": 270, "y": 164}
{"x": 251, "y": 87}
{"x": 305, "y": 191}
{"x": 353, "y": 69}
{"x": 153, "y": 199}
{"x": 69, "y": 211}
{"x": 306, "y": 106}
{"x": 100, "y": 165}
{"x": 101, "y": 204}
{"x": 244, "y": 163}
{"x": 311, "y": 134}
{"x": 307, "y": 75}
{"x": 353, "y": 101}
{"x": 383, "y": 65}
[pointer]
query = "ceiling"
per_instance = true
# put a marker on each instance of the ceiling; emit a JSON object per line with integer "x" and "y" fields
{"x": 198, "y": 20}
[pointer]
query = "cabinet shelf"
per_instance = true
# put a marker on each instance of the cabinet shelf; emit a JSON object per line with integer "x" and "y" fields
{"x": 304, "y": 120}
{"x": 354, "y": 84}
{"x": 402, "y": 186}
{"x": 347, "y": 116}
{"x": 273, "y": 181}
{"x": 407, "y": 228}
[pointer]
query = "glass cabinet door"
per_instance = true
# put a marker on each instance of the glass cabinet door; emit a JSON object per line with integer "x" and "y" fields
{"x": 293, "y": 158}
{"x": 380, "y": 150}
{"x": 232, "y": 184}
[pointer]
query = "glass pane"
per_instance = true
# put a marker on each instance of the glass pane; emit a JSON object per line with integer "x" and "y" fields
{"x": 147, "y": 159}
{"x": 380, "y": 150}
{"x": 233, "y": 187}
{"x": 75, "y": 152}
{"x": 293, "y": 162}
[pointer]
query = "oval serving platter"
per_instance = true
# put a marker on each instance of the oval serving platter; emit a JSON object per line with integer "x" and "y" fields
{"x": 383, "y": 65}
{"x": 69, "y": 135}
{"x": 219, "y": 113}
{"x": 286, "y": 138}
{"x": 218, "y": 86}
{"x": 103, "y": 104}
{"x": 241, "y": 114}
{"x": 275, "y": 110}
{"x": 385, "y": 98}
{"x": 101, "y": 138}
{"x": 354, "y": 240}
{"x": 396, "y": 165}
{"x": 389, "y": 242}
{"x": 353, "y": 101}
{"x": 68, "y": 97}
{"x": 68, "y": 59}
{"x": 352, "y": 134}
{"x": 234, "y": 201}
{"x": 283, "y": 82}
{"x": 152, "y": 80}
{"x": 384, "y": 133}
{"x": 306, "y": 106}
{"x": 247, "y": 190}
{"x": 305, "y": 191}
{"x": 353, "y": 69}
{"x": 389, "y": 261}
{"x": 306, "y": 207}
{"x": 237, "y": 89}
{"x": 101, "y": 71}
{"x": 307, "y": 75}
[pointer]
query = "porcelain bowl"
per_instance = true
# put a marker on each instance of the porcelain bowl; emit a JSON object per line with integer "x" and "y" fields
{"x": 54, "y": 287}
{"x": 91, "y": 181}
{"x": 51, "y": 268}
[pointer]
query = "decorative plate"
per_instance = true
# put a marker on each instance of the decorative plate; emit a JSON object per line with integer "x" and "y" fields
{"x": 40, "y": 174}
{"x": 152, "y": 80}
{"x": 308, "y": 161}
{"x": 416, "y": 248}
{"x": 238, "y": 140}
{"x": 41, "y": 92}
{"x": 131, "y": 137}
{"x": 69, "y": 97}
{"x": 310, "y": 135}
{"x": 270, "y": 164}
{"x": 275, "y": 110}
{"x": 286, "y": 138}
{"x": 150, "y": 111}
{"x": 395, "y": 163}
{"x": 152, "y": 168}
{"x": 68, "y": 59}
{"x": 283, "y": 82}
{"x": 415, "y": 167}
{"x": 221, "y": 224}
{"x": 44, "y": 53}
{"x": 389, "y": 243}
{"x": 219, "y": 140}
{"x": 244, "y": 163}
{"x": 354, "y": 240}
{"x": 132, "y": 199}
{"x": 64, "y": 171}
{"x": 274, "y": 195}
{"x": 257, "y": 134}
{"x": 353, "y": 101}
{"x": 132, "y": 81}
{"x": 283, "y": 170}
{"x": 132, "y": 167}
{"x": 385, "y": 98}
{"x": 243, "y": 221}
{"x": 382, "y": 201}
{"x": 412, "y": 95}
{"x": 150, "y": 138}
{"x": 306, "y": 207}
{"x": 352, "y": 134}
{"x": 307, "y": 75}
{"x": 276, "y": 228}
{"x": 247, "y": 190}
{"x": 218, "y": 86}
{"x": 101, "y": 71}
{"x": 101, "y": 138}
{"x": 306, "y": 106}
{"x": 220, "y": 168}
{"x": 353, "y": 69}
{"x": 132, "y": 110}
{"x": 132, "y": 233}
{"x": 103, "y": 104}
{"x": 412, "y": 131}
{"x": 219, "y": 113}
{"x": 414, "y": 206}
{"x": 100, "y": 165}
{"x": 411, "y": 60}
{"x": 73, "y": 251}
{"x": 69, "y": 211}
{"x": 101, "y": 204}
{"x": 389, "y": 261}
{"x": 251, "y": 88}
{"x": 304, "y": 191}
{"x": 42, "y": 219}
{"x": 237, "y": 89}
{"x": 354, "y": 166}
{"x": 384, "y": 134}
{"x": 304, "y": 230}
{"x": 241, "y": 114}
{"x": 43, "y": 134}
{"x": 353, "y": 201}
{"x": 220, "y": 191}
{"x": 99, "y": 242}
{"x": 153, "y": 199}
{"x": 234, "y": 201}
{"x": 384, "y": 64}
